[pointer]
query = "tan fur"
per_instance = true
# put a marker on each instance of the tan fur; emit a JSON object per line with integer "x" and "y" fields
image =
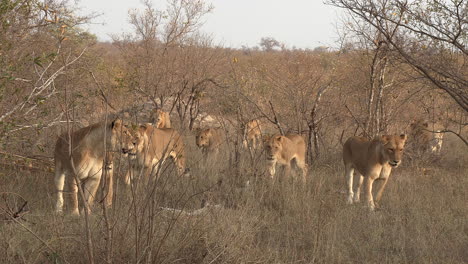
{"x": 160, "y": 119}
{"x": 153, "y": 147}
{"x": 252, "y": 134}
{"x": 283, "y": 150}
{"x": 209, "y": 140}
{"x": 423, "y": 140}
{"x": 371, "y": 160}
{"x": 88, "y": 156}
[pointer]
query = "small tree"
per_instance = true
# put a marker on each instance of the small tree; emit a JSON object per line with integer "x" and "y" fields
{"x": 269, "y": 44}
{"x": 430, "y": 36}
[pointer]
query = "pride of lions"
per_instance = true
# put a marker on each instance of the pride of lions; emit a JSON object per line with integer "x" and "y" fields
{"x": 84, "y": 156}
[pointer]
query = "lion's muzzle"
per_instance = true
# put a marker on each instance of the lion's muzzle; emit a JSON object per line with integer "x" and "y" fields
{"x": 394, "y": 163}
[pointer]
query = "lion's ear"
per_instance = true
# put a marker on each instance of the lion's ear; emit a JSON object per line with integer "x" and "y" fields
{"x": 116, "y": 124}
{"x": 143, "y": 127}
{"x": 278, "y": 138}
{"x": 404, "y": 137}
{"x": 385, "y": 138}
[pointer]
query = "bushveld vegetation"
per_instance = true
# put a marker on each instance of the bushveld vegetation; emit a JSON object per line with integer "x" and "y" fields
{"x": 398, "y": 62}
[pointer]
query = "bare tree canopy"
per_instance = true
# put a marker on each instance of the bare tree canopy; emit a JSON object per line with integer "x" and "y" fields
{"x": 269, "y": 44}
{"x": 430, "y": 36}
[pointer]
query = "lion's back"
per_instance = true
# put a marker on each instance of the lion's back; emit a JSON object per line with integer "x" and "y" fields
{"x": 163, "y": 138}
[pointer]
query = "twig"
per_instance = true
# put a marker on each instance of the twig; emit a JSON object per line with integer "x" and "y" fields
{"x": 192, "y": 213}
{"x": 448, "y": 131}
{"x": 277, "y": 123}
{"x": 37, "y": 237}
{"x": 49, "y": 159}
{"x": 104, "y": 97}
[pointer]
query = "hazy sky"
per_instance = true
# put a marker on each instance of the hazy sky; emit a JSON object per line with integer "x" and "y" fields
{"x": 233, "y": 23}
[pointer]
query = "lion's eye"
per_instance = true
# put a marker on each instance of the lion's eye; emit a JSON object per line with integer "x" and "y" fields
{"x": 391, "y": 150}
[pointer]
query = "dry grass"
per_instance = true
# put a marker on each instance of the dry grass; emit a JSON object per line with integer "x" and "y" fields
{"x": 422, "y": 218}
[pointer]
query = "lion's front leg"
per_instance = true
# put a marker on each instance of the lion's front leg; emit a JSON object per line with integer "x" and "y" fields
{"x": 381, "y": 189}
{"x": 109, "y": 188}
{"x": 369, "y": 180}
{"x": 74, "y": 197}
{"x": 128, "y": 175}
{"x": 287, "y": 170}
{"x": 272, "y": 168}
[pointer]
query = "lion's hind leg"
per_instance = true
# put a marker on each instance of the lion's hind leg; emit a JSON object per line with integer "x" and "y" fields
{"x": 300, "y": 164}
{"x": 59, "y": 184}
{"x": 349, "y": 172}
{"x": 357, "y": 192}
{"x": 91, "y": 185}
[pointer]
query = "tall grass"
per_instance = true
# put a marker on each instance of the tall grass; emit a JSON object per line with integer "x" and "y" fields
{"x": 422, "y": 217}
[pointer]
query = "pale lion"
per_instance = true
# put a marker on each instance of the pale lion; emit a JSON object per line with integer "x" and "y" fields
{"x": 285, "y": 149}
{"x": 209, "y": 140}
{"x": 89, "y": 149}
{"x": 423, "y": 139}
{"x": 252, "y": 134}
{"x": 371, "y": 160}
{"x": 153, "y": 146}
{"x": 160, "y": 119}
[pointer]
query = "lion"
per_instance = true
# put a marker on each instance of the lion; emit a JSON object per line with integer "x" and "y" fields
{"x": 160, "y": 119}
{"x": 91, "y": 149}
{"x": 423, "y": 140}
{"x": 209, "y": 140}
{"x": 371, "y": 160}
{"x": 252, "y": 134}
{"x": 283, "y": 150}
{"x": 152, "y": 147}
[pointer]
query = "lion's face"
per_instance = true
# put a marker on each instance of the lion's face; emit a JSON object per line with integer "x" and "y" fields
{"x": 157, "y": 118}
{"x": 139, "y": 134}
{"x": 393, "y": 148}
{"x": 203, "y": 137}
{"x": 273, "y": 147}
{"x": 121, "y": 137}
{"x": 250, "y": 128}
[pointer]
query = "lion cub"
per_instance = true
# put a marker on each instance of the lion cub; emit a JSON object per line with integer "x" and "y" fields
{"x": 283, "y": 150}
{"x": 371, "y": 160}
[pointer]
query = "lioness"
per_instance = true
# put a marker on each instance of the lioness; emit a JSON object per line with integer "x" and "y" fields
{"x": 423, "y": 140}
{"x": 372, "y": 160}
{"x": 209, "y": 140}
{"x": 89, "y": 148}
{"x": 252, "y": 134}
{"x": 283, "y": 150}
{"x": 160, "y": 119}
{"x": 152, "y": 147}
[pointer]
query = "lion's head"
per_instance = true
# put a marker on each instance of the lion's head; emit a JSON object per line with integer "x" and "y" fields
{"x": 393, "y": 148}
{"x": 160, "y": 119}
{"x": 139, "y": 136}
{"x": 203, "y": 137}
{"x": 273, "y": 146}
{"x": 121, "y": 137}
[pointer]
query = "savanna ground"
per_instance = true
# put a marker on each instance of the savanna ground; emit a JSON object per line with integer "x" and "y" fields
{"x": 422, "y": 218}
